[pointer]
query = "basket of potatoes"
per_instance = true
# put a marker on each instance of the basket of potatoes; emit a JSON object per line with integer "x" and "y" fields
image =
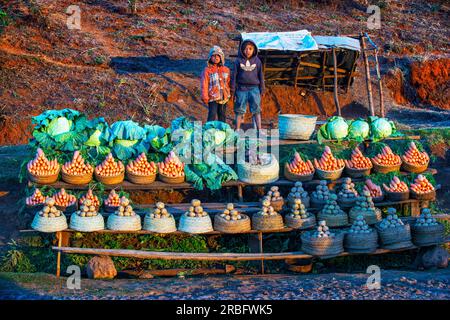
{"x": 298, "y": 192}
{"x": 87, "y": 219}
{"x": 323, "y": 242}
{"x": 360, "y": 238}
{"x": 332, "y": 213}
{"x": 426, "y": 231}
{"x": 298, "y": 217}
{"x": 275, "y": 198}
{"x": 393, "y": 233}
{"x": 159, "y": 220}
{"x": 195, "y": 220}
{"x": 124, "y": 219}
{"x": 320, "y": 196}
{"x": 232, "y": 221}
{"x": 365, "y": 207}
{"x": 49, "y": 218}
{"x": 267, "y": 219}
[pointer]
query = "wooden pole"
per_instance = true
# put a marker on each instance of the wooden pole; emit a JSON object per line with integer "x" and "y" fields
{"x": 380, "y": 84}
{"x": 261, "y": 251}
{"x": 58, "y": 257}
{"x": 335, "y": 91}
{"x": 367, "y": 69}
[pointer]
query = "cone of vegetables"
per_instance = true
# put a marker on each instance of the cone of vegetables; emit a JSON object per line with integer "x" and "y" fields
{"x": 160, "y": 220}
{"x": 422, "y": 189}
{"x": 386, "y": 161}
{"x": 141, "y": 171}
{"x": 375, "y": 190}
{"x": 109, "y": 171}
{"x": 358, "y": 165}
{"x": 275, "y": 198}
{"x": 36, "y": 199}
{"x": 397, "y": 190}
{"x": 94, "y": 201}
{"x": 41, "y": 170}
{"x": 77, "y": 171}
{"x": 87, "y": 219}
{"x": 124, "y": 218}
{"x": 171, "y": 170}
{"x": 195, "y": 220}
{"x": 329, "y": 167}
{"x": 232, "y": 221}
{"x": 49, "y": 218}
{"x": 298, "y": 169}
{"x": 65, "y": 202}
{"x": 414, "y": 160}
{"x": 267, "y": 219}
{"x": 112, "y": 202}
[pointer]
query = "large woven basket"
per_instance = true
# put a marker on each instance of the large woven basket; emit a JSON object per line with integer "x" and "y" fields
{"x": 259, "y": 174}
{"x": 76, "y": 179}
{"x": 300, "y": 224}
{"x": 385, "y": 169}
{"x": 428, "y": 235}
{"x": 395, "y": 238}
{"x": 329, "y": 175}
{"x": 269, "y": 222}
{"x": 124, "y": 223}
{"x": 43, "y": 179}
{"x": 111, "y": 180}
{"x": 232, "y": 226}
{"x": 423, "y": 196}
{"x": 323, "y": 247}
{"x": 55, "y": 224}
{"x": 361, "y": 242}
{"x": 397, "y": 196}
{"x": 159, "y": 225}
{"x": 87, "y": 224}
{"x": 140, "y": 179}
{"x": 333, "y": 220}
{"x": 296, "y": 126}
{"x": 195, "y": 224}
{"x": 69, "y": 209}
{"x": 297, "y": 177}
{"x": 171, "y": 180}
{"x": 408, "y": 167}
{"x": 371, "y": 217}
{"x": 357, "y": 173}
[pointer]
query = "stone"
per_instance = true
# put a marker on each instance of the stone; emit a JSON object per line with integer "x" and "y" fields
{"x": 101, "y": 267}
{"x": 436, "y": 257}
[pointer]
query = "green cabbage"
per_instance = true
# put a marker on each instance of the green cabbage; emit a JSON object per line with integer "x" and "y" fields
{"x": 381, "y": 128}
{"x": 126, "y": 139}
{"x": 358, "y": 130}
{"x": 336, "y": 128}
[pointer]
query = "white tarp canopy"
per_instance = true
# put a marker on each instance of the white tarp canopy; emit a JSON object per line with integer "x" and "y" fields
{"x": 326, "y": 42}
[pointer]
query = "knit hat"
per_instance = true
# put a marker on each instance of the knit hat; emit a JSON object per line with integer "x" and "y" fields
{"x": 216, "y": 50}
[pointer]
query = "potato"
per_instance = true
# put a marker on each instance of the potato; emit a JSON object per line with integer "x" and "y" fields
{"x": 230, "y": 206}
{"x": 160, "y": 205}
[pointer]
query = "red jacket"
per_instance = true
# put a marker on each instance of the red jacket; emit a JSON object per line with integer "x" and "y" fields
{"x": 215, "y": 84}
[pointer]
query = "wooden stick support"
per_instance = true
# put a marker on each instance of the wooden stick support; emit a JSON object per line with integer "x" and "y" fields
{"x": 380, "y": 85}
{"x": 335, "y": 90}
{"x": 58, "y": 257}
{"x": 367, "y": 71}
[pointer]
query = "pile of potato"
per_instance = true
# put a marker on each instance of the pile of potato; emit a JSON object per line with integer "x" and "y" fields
{"x": 298, "y": 210}
{"x": 347, "y": 190}
{"x": 297, "y": 191}
{"x": 273, "y": 194}
{"x": 196, "y": 209}
{"x": 322, "y": 192}
{"x": 359, "y": 226}
{"x": 87, "y": 209}
{"x": 160, "y": 211}
{"x": 267, "y": 209}
{"x": 322, "y": 231}
{"x": 392, "y": 220}
{"x": 426, "y": 219}
{"x": 230, "y": 213}
{"x": 331, "y": 206}
{"x": 364, "y": 203}
{"x": 90, "y": 196}
{"x": 125, "y": 209}
{"x": 49, "y": 210}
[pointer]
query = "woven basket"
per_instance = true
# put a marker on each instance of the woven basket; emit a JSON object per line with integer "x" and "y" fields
{"x": 232, "y": 226}
{"x": 68, "y": 209}
{"x": 397, "y": 196}
{"x": 55, "y": 224}
{"x": 171, "y": 180}
{"x": 159, "y": 225}
{"x": 111, "y": 180}
{"x": 369, "y": 216}
{"x": 124, "y": 223}
{"x": 408, "y": 167}
{"x": 87, "y": 224}
{"x": 276, "y": 205}
{"x": 428, "y": 235}
{"x": 297, "y": 177}
{"x": 296, "y": 126}
{"x": 346, "y": 203}
{"x": 329, "y": 175}
{"x": 319, "y": 204}
{"x": 76, "y": 179}
{"x": 259, "y": 174}
{"x": 140, "y": 179}
{"x": 357, "y": 173}
{"x": 323, "y": 247}
{"x": 334, "y": 220}
{"x": 269, "y": 222}
{"x": 361, "y": 242}
{"x": 395, "y": 238}
{"x": 43, "y": 179}
{"x": 424, "y": 196}
{"x": 300, "y": 224}
{"x": 385, "y": 169}
{"x": 305, "y": 201}
{"x": 195, "y": 224}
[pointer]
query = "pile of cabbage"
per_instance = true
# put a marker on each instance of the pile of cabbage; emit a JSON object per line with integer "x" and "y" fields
{"x": 374, "y": 128}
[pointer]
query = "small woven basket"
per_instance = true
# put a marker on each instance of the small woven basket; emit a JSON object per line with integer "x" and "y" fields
{"x": 43, "y": 179}
{"x": 297, "y": 177}
{"x": 87, "y": 224}
{"x": 171, "y": 180}
{"x": 385, "y": 169}
{"x": 397, "y": 196}
{"x": 357, "y": 173}
{"x": 69, "y": 209}
{"x": 277, "y": 205}
{"x": 395, "y": 238}
{"x": 300, "y": 224}
{"x": 424, "y": 196}
{"x": 76, "y": 179}
{"x": 329, "y": 175}
{"x": 124, "y": 223}
{"x": 44, "y": 224}
{"x": 140, "y": 179}
{"x": 334, "y": 220}
{"x": 408, "y": 167}
{"x": 361, "y": 242}
{"x": 323, "y": 247}
{"x": 232, "y": 226}
{"x": 159, "y": 225}
{"x": 371, "y": 217}
{"x": 269, "y": 222}
{"x": 195, "y": 224}
{"x": 111, "y": 180}
{"x": 428, "y": 235}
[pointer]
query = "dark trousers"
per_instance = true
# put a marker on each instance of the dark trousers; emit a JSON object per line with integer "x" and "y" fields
{"x": 217, "y": 110}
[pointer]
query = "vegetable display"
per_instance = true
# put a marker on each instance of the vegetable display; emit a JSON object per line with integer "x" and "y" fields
{"x": 414, "y": 156}
{"x": 171, "y": 166}
{"x": 380, "y": 128}
{"x": 298, "y": 210}
{"x": 91, "y": 197}
{"x": 196, "y": 209}
{"x": 387, "y": 157}
{"x": 396, "y": 185}
{"x": 126, "y": 139}
{"x": 273, "y": 194}
{"x": 113, "y": 199}
{"x": 87, "y": 209}
{"x": 77, "y": 166}
{"x": 373, "y": 189}
{"x": 322, "y": 193}
{"x": 358, "y": 160}
{"x": 64, "y": 199}
{"x": 125, "y": 209}
{"x": 358, "y": 130}
{"x": 347, "y": 190}
{"x": 41, "y": 166}
{"x": 109, "y": 167}
{"x": 49, "y": 210}
{"x": 36, "y": 198}
{"x": 335, "y": 128}
{"x": 322, "y": 231}
{"x": 391, "y": 221}
{"x": 160, "y": 211}
{"x": 230, "y": 213}
{"x": 298, "y": 166}
{"x": 141, "y": 166}
{"x": 426, "y": 219}
{"x": 328, "y": 162}
{"x": 360, "y": 226}
{"x": 421, "y": 185}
